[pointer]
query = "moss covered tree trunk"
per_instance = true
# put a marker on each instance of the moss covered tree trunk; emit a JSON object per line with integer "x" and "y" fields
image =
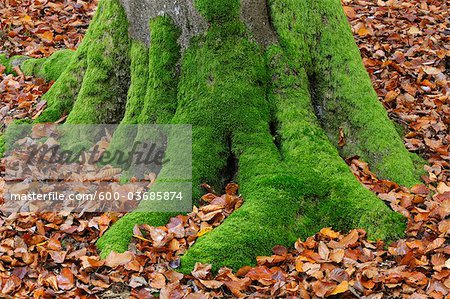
{"x": 271, "y": 84}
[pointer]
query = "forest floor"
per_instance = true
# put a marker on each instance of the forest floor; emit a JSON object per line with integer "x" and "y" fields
{"x": 406, "y": 49}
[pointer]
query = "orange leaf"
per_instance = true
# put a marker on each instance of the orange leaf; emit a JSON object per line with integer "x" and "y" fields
{"x": 349, "y": 239}
{"x": 298, "y": 265}
{"x": 341, "y": 288}
{"x": 47, "y": 36}
{"x": 204, "y": 231}
{"x": 420, "y": 189}
{"x": 26, "y": 19}
{"x": 328, "y": 232}
{"x": 363, "y": 31}
{"x": 350, "y": 12}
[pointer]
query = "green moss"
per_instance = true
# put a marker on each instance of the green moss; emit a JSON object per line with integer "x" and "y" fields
{"x": 138, "y": 86}
{"x": 219, "y": 11}
{"x": 12, "y": 133}
{"x": 2, "y": 145}
{"x": 108, "y": 28}
{"x": 419, "y": 164}
{"x": 160, "y": 99}
{"x": 117, "y": 239}
{"x": 226, "y": 72}
{"x": 152, "y": 96}
{"x": 336, "y": 198}
{"x": 354, "y": 107}
{"x": 102, "y": 97}
{"x": 29, "y": 65}
{"x": 49, "y": 68}
{"x": 135, "y": 98}
{"x": 164, "y": 55}
{"x": 13, "y": 62}
{"x": 4, "y": 60}
{"x": 312, "y": 180}
{"x": 266, "y": 219}
{"x": 63, "y": 93}
{"x": 317, "y": 34}
{"x": 222, "y": 71}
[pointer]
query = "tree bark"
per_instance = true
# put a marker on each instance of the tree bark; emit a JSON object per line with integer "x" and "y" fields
{"x": 272, "y": 85}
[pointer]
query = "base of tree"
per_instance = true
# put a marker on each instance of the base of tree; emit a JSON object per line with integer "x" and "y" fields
{"x": 284, "y": 113}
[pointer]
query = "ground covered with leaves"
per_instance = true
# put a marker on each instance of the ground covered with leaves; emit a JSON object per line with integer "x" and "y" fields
{"x": 406, "y": 48}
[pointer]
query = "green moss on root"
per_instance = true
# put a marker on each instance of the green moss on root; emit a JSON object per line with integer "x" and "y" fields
{"x": 164, "y": 55}
{"x": 14, "y": 61}
{"x": 219, "y": 72}
{"x": 219, "y": 11}
{"x": 312, "y": 180}
{"x": 317, "y": 32}
{"x": 266, "y": 219}
{"x": 118, "y": 239}
{"x": 49, "y": 68}
{"x": 64, "y": 92}
{"x": 102, "y": 97}
{"x": 355, "y": 108}
{"x": 296, "y": 172}
{"x": 4, "y": 60}
{"x": 152, "y": 97}
{"x": 138, "y": 84}
{"x": 224, "y": 71}
{"x": 333, "y": 196}
{"x": 135, "y": 97}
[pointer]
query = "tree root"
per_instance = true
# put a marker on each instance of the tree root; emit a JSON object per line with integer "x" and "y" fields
{"x": 119, "y": 238}
{"x": 49, "y": 69}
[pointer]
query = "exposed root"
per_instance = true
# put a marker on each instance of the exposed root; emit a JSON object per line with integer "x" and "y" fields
{"x": 49, "y": 68}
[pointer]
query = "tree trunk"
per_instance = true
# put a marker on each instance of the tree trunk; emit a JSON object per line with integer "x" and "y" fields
{"x": 271, "y": 85}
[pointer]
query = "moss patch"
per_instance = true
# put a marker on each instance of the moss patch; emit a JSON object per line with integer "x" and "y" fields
{"x": 117, "y": 239}
{"x": 355, "y": 108}
{"x": 138, "y": 83}
{"x": 219, "y": 11}
{"x": 164, "y": 55}
{"x": 49, "y": 68}
{"x": 234, "y": 80}
{"x": 13, "y": 62}
{"x": 102, "y": 96}
{"x": 11, "y": 133}
{"x": 333, "y": 196}
{"x": 152, "y": 97}
{"x": 318, "y": 34}
{"x": 4, "y": 60}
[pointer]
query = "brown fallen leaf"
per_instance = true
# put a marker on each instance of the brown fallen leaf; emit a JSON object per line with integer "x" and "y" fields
{"x": 115, "y": 259}
{"x": 66, "y": 279}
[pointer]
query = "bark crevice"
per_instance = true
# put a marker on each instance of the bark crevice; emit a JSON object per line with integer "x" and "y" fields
{"x": 255, "y": 15}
